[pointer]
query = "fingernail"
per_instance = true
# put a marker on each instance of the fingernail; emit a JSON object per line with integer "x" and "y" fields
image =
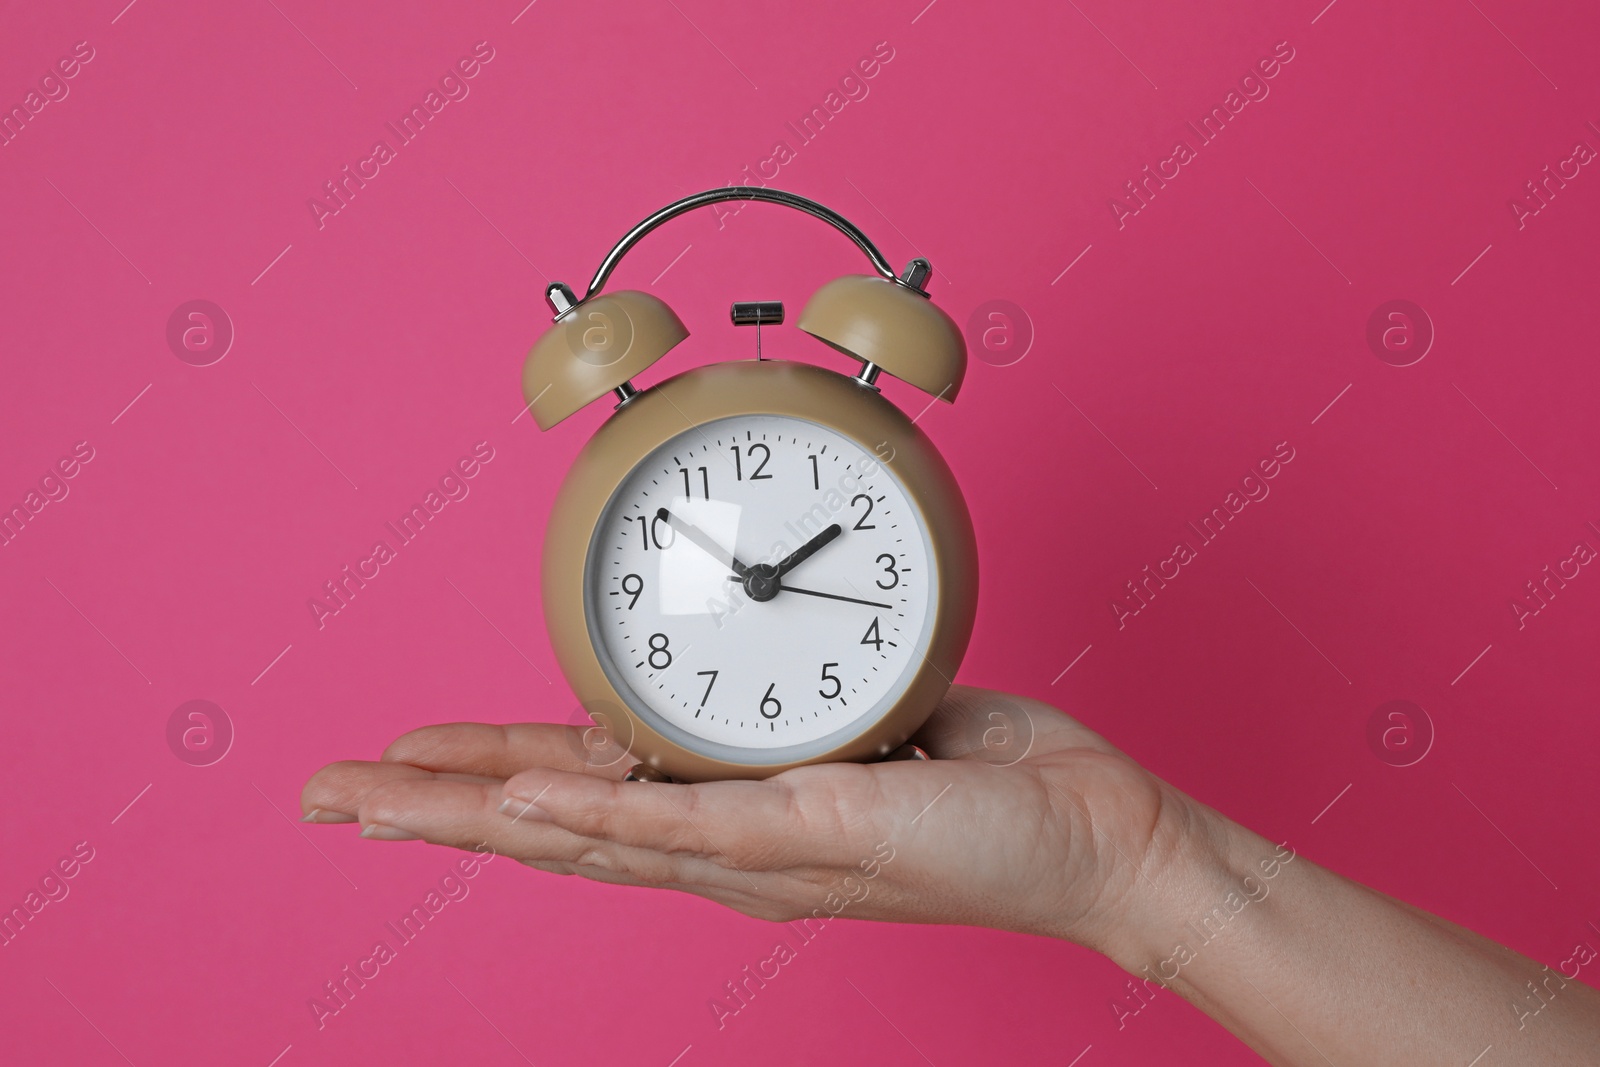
{"x": 523, "y": 810}
{"x": 378, "y": 832}
{"x": 319, "y": 815}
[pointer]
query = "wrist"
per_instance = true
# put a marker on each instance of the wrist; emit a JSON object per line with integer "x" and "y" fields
{"x": 1201, "y": 872}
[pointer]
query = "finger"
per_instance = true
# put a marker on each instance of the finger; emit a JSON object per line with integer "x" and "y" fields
{"x": 501, "y": 751}
{"x": 550, "y": 867}
{"x": 462, "y": 814}
{"x": 774, "y": 907}
{"x": 335, "y": 793}
{"x": 751, "y": 826}
{"x": 465, "y": 815}
{"x": 470, "y": 815}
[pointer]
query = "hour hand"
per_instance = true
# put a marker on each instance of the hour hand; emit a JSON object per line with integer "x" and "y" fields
{"x": 698, "y": 538}
{"x": 805, "y": 551}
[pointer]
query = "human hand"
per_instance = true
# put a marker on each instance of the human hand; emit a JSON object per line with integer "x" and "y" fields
{"x": 1023, "y": 820}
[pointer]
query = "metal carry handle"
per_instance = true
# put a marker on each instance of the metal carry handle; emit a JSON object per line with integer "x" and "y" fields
{"x": 562, "y": 299}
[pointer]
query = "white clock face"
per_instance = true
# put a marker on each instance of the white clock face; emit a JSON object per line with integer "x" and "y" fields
{"x": 760, "y": 583}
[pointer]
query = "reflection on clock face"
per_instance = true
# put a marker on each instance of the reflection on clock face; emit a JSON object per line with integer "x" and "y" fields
{"x": 761, "y": 582}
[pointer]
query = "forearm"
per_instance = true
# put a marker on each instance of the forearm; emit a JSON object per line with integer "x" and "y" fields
{"x": 1308, "y": 967}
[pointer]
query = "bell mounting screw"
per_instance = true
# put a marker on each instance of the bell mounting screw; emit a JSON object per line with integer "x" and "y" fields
{"x": 560, "y": 297}
{"x": 915, "y": 276}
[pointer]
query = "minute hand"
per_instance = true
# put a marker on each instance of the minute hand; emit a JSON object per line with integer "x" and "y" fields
{"x": 706, "y": 545}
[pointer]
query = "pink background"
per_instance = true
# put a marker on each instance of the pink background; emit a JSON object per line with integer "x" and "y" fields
{"x": 1224, "y": 318}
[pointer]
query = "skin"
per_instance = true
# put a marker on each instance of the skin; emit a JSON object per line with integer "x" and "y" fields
{"x": 1023, "y": 820}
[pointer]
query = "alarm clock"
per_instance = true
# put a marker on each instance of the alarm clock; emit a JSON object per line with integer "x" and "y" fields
{"x": 755, "y": 564}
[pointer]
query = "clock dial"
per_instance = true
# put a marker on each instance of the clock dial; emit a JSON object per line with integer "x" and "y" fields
{"x": 760, "y": 583}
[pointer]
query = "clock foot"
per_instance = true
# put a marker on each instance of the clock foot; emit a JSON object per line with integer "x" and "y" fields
{"x": 643, "y": 772}
{"x": 907, "y": 751}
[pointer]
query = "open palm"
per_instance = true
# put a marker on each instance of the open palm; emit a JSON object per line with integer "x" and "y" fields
{"x": 1023, "y": 819}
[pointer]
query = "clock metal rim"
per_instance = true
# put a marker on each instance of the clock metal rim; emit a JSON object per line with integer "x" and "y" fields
{"x": 767, "y": 387}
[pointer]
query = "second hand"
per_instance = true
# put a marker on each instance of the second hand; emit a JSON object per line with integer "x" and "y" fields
{"x": 829, "y": 596}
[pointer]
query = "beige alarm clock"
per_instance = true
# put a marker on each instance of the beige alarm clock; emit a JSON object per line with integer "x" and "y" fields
{"x": 755, "y": 564}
